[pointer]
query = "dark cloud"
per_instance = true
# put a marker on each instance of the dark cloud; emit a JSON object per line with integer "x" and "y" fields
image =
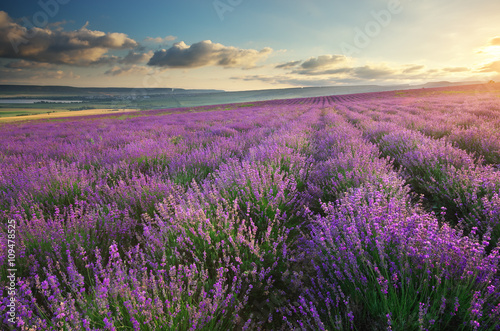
{"x": 315, "y": 66}
{"x": 23, "y": 64}
{"x": 9, "y": 75}
{"x": 337, "y": 71}
{"x": 51, "y": 44}
{"x": 323, "y": 61}
{"x": 288, "y": 65}
{"x": 374, "y": 72}
{"x": 338, "y": 67}
{"x": 206, "y": 53}
{"x": 412, "y": 69}
{"x": 364, "y": 72}
{"x": 136, "y": 57}
{"x": 379, "y": 73}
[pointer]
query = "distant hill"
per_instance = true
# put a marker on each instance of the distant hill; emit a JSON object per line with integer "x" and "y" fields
{"x": 68, "y": 91}
{"x": 157, "y": 98}
{"x": 446, "y": 83}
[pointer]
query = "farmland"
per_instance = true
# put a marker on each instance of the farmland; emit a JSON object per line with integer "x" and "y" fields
{"x": 368, "y": 211}
{"x": 50, "y": 114}
{"x": 73, "y": 101}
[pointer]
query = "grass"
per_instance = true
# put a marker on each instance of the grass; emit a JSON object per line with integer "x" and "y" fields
{"x": 11, "y": 112}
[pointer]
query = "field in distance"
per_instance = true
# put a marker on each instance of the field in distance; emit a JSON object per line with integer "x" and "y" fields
{"x": 21, "y": 102}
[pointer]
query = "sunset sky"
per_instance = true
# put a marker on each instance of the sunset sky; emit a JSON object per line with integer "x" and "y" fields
{"x": 247, "y": 44}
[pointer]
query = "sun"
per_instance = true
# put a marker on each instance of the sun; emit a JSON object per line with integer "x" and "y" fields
{"x": 493, "y": 51}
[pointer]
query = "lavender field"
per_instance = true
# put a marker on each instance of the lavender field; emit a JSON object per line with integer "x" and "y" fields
{"x": 375, "y": 211}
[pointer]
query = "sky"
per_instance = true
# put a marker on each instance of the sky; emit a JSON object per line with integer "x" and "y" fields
{"x": 247, "y": 44}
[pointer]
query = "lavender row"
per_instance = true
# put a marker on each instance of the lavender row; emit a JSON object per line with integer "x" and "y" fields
{"x": 105, "y": 206}
{"x": 269, "y": 197}
{"x": 382, "y": 263}
{"x": 372, "y": 250}
{"x": 449, "y": 177}
{"x": 190, "y": 155}
{"x": 470, "y": 123}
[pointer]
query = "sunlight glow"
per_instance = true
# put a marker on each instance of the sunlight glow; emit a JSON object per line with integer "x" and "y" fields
{"x": 493, "y": 51}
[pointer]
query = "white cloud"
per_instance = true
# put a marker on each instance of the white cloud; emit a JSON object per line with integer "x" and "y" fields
{"x": 160, "y": 40}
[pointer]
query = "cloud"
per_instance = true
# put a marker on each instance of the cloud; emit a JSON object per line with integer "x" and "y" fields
{"x": 206, "y": 53}
{"x": 373, "y": 72}
{"x": 494, "y": 41}
{"x": 23, "y": 64}
{"x": 136, "y": 57}
{"x": 127, "y": 70}
{"x": 323, "y": 61}
{"x": 82, "y": 47}
{"x": 294, "y": 81}
{"x": 159, "y": 40}
{"x": 491, "y": 67}
{"x": 337, "y": 71}
{"x": 338, "y": 68}
{"x": 412, "y": 69}
{"x": 366, "y": 72}
{"x": 455, "y": 69}
{"x": 314, "y": 66}
{"x": 10, "y": 75}
{"x": 5, "y": 20}
{"x": 58, "y": 74}
{"x": 288, "y": 65}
